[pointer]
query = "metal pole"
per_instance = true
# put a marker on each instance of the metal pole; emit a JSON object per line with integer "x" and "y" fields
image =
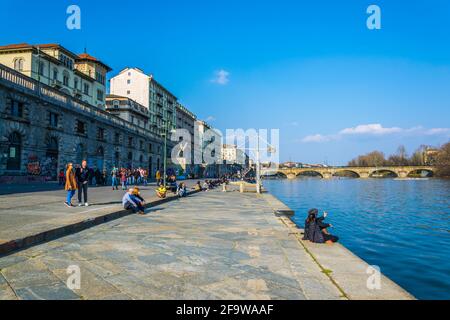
{"x": 165, "y": 153}
{"x": 258, "y": 170}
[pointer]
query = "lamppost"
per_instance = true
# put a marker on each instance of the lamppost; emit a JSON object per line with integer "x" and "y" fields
{"x": 167, "y": 126}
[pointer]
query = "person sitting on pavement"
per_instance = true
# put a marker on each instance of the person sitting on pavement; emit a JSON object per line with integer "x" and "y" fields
{"x": 131, "y": 202}
{"x": 198, "y": 186}
{"x": 161, "y": 192}
{"x": 316, "y": 230}
{"x": 181, "y": 191}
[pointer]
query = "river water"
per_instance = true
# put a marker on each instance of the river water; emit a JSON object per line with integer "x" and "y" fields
{"x": 402, "y": 226}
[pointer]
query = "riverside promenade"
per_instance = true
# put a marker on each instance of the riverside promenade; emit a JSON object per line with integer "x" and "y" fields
{"x": 211, "y": 245}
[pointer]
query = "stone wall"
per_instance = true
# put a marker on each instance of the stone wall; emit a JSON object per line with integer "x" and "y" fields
{"x": 40, "y": 161}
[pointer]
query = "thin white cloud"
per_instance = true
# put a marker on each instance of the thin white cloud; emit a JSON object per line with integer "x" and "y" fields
{"x": 221, "y": 77}
{"x": 210, "y": 119}
{"x": 316, "y": 138}
{"x": 375, "y": 130}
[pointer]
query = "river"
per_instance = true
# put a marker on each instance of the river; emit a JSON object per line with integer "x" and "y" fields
{"x": 402, "y": 226}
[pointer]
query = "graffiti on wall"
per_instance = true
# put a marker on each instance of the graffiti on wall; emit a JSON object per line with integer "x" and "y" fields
{"x": 46, "y": 168}
{"x": 33, "y": 165}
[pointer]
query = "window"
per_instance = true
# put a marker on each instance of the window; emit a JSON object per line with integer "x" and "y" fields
{"x": 53, "y": 120}
{"x": 17, "y": 109}
{"x": 55, "y": 74}
{"x": 66, "y": 79}
{"x": 128, "y": 92}
{"x": 116, "y": 104}
{"x": 150, "y": 147}
{"x": 141, "y": 145}
{"x": 130, "y": 141}
{"x": 18, "y": 64}
{"x": 81, "y": 127}
{"x": 41, "y": 68}
{"x": 101, "y": 134}
{"x": 117, "y": 138}
{"x": 86, "y": 89}
{"x": 100, "y": 95}
{"x": 132, "y": 119}
{"x": 128, "y": 81}
{"x": 14, "y": 152}
{"x": 75, "y": 83}
{"x": 130, "y": 156}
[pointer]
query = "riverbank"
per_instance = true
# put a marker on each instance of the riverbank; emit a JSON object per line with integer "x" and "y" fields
{"x": 211, "y": 245}
{"x": 29, "y": 218}
{"x": 388, "y": 223}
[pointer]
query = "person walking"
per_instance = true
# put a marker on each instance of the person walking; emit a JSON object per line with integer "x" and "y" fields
{"x": 158, "y": 177}
{"x": 83, "y": 176}
{"x": 71, "y": 185}
{"x": 114, "y": 182}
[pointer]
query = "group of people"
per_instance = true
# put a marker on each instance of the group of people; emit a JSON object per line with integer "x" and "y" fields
{"x": 128, "y": 177}
{"x": 212, "y": 184}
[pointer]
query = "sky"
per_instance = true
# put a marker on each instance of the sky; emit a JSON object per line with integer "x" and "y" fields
{"x": 311, "y": 69}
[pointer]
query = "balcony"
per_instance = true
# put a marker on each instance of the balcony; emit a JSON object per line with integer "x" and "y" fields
{"x": 55, "y": 83}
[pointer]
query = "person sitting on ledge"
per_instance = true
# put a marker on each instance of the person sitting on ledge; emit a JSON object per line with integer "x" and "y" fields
{"x": 181, "y": 190}
{"x": 161, "y": 192}
{"x": 131, "y": 202}
{"x": 198, "y": 186}
{"x": 316, "y": 230}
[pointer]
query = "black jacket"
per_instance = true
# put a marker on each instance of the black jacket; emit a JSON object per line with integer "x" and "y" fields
{"x": 82, "y": 175}
{"x": 313, "y": 230}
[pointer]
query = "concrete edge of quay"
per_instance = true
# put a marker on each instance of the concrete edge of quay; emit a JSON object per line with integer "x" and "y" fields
{"x": 23, "y": 243}
{"x": 348, "y": 272}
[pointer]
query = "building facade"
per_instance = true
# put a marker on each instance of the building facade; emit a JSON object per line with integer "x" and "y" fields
{"x": 81, "y": 76}
{"x": 186, "y": 121}
{"x": 43, "y": 128}
{"x": 139, "y": 116}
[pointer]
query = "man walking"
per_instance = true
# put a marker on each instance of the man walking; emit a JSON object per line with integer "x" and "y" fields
{"x": 83, "y": 175}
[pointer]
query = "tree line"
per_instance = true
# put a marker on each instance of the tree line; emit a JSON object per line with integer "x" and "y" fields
{"x": 424, "y": 155}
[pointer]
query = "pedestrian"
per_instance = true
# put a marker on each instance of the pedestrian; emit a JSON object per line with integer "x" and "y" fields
{"x": 158, "y": 177}
{"x": 61, "y": 177}
{"x": 114, "y": 182}
{"x": 71, "y": 185}
{"x": 123, "y": 178}
{"x": 83, "y": 176}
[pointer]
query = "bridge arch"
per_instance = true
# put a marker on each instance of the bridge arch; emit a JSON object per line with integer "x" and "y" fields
{"x": 421, "y": 173}
{"x": 310, "y": 173}
{"x": 346, "y": 173}
{"x": 383, "y": 173}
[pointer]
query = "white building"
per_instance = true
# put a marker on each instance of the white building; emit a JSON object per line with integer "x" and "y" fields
{"x": 133, "y": 83}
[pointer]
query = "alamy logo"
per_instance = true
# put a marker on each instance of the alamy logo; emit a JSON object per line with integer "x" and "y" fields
{"x": 374, "y": 20}
{"x": 74, "y": 20}
{"x": 74, "y": 279}
{"x": 374, "y": 279}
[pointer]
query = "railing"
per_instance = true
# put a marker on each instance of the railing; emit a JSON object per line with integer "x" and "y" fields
{"x": 55, "y": 96}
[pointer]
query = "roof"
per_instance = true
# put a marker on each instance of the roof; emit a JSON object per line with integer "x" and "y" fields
{"x": 79, "y": 57}
{"x": 87, "y": 57}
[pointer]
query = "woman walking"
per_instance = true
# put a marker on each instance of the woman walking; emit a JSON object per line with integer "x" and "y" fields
{"x": 71, "y": 185}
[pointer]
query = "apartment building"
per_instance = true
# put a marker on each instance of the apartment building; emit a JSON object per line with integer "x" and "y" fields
{"x": 81, "y": 76}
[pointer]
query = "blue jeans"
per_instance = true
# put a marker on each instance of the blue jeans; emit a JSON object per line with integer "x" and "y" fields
{"x": 114, "y": 181}
{"x": 70, "y": 194}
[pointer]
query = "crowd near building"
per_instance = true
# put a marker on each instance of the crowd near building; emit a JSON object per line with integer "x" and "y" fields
{"x": 55, "y": 109}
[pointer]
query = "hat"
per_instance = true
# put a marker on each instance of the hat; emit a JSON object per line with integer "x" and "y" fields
{"x": 313, "y": 212}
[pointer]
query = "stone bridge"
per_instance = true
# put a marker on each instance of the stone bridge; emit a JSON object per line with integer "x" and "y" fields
{"x": 360, "y": 172}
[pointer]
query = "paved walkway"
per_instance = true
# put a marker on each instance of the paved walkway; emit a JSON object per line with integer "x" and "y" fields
{"x": 211, "y": 245}
{"x": 26, "y": 214}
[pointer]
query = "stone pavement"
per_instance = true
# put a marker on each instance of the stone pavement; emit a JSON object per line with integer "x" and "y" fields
{"x": 28, "y": 214}
{"x": 212, "y": 245}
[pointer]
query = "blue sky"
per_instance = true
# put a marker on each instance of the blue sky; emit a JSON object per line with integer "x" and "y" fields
{"x": 310, "y": 68}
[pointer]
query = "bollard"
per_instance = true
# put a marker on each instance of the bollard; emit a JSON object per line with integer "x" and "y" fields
{"x": 224, "y": 189}
{"x": 241, "y": 188}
